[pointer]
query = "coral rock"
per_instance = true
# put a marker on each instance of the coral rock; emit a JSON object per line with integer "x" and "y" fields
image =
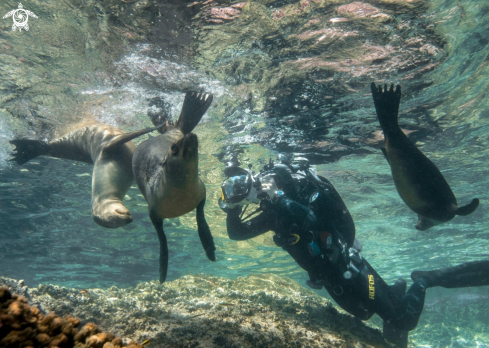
{"x": 24, "y": 326}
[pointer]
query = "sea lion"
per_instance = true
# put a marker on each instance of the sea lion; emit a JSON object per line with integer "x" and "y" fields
{"x": 109, "y": 149}
{"x": 419, "y": 182}
{"x": 166, "y": 172}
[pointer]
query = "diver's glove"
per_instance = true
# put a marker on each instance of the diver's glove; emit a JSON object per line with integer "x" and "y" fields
{"x": 277, "y": 202}
{"x": 289, "y": 237}
{"x": 225, "y": 207}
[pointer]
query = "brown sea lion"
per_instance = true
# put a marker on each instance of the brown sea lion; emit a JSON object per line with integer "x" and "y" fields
{"x": 110, "y": 151}
{"x": 419, "y": 182}
{"x": 166, "y": 171}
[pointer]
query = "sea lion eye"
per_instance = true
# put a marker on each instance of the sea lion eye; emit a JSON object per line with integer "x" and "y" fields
{"x": 174, "y": 149}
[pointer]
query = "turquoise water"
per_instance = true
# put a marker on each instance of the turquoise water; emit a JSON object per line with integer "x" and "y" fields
{"x": 287, "y": 76}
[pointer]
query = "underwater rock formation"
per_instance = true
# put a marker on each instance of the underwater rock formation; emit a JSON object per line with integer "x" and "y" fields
{"x": 22, "y": 325}
{"x": 205, "y": 311}
{"x": 300, "y": 69}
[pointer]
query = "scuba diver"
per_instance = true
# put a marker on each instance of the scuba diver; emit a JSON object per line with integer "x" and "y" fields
{"x": 312, "y": 223}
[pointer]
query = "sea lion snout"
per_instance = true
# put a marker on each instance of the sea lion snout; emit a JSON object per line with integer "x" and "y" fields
{"x": 113, "y": 215}
{"x": 190, "y": 143}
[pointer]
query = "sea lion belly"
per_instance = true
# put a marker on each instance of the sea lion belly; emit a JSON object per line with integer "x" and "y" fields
{"x": 408, "y": 189}
{"x": 175, "y": 202}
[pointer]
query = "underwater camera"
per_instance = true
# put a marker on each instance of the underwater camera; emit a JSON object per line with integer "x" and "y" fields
{"x": 243, "y": 186}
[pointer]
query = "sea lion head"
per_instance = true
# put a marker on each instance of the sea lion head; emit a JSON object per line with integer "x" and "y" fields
{"x": 185, "y": 148}
{"x": 182, "y": 159}
{"x": 111, "y": 213}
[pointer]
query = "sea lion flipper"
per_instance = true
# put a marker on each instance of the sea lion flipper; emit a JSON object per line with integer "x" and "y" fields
{"x": 27, "y": 149}
{"x": 124, "y": 138}
{"x": 205, "y": 232}
{"x": 384, "y": 152}
{"x": 158, "y": 224}
{"x": 194, "y": 107}
{"x": 387, "y": 105}
{"x": 467, "y": 209}
{"x": 424, "y": 223}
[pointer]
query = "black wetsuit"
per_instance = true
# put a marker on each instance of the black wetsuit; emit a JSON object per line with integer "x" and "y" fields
{"x": 296, "y": 225}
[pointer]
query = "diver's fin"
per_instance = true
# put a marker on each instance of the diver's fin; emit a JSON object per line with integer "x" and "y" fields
{"x": 384, "y": 151}
{"x": 158, "y": 224}
{"x": 387, "y": 105}
{"x": 205, "y": 232}
{"x": 194, "y": 107}
{"x": 467, "y": 274}
{"x": 393, "y": 335}
{"x": 27, "y": 149}
{"x": 124, "y": 138}
{"x": 467, "y": 209}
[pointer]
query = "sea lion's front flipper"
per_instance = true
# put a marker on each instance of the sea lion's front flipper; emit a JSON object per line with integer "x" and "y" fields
{"x": 205, "y": 232}
{"x": 124, "y": 138}
{"x": 424, "y": 223}
{"x": 387, "y": 105}
{"x": 27, "y": 149}
{"x": 384, "y": 152}
{"x": 194, "y": 107}
{"x": 467, "y": 209}
{"x": 158, "y": 224}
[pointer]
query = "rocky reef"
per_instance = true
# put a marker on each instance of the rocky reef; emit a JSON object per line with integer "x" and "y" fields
{"x": 22, "y": 325}
{"x": 205, "y": 311}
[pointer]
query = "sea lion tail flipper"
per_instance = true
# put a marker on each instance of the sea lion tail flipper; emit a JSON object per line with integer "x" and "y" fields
{"x": 387, "y": 105}
{"x": 124, "y": 138}
{"x": 27, "y": 149}
{"x": 467, "y": 209}
{"x": 158, "y": 224}
{"x": 194, "y": 107}
{"x": 205, "y": 232}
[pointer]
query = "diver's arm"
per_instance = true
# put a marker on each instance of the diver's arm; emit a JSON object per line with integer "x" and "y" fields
{"x": 296, "y": 213}
{"x": 238, "y": 230}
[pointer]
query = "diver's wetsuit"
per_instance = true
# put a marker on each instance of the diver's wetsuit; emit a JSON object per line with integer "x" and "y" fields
{"x": 361, "y": 296}
{"x": 294, "y": 225}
